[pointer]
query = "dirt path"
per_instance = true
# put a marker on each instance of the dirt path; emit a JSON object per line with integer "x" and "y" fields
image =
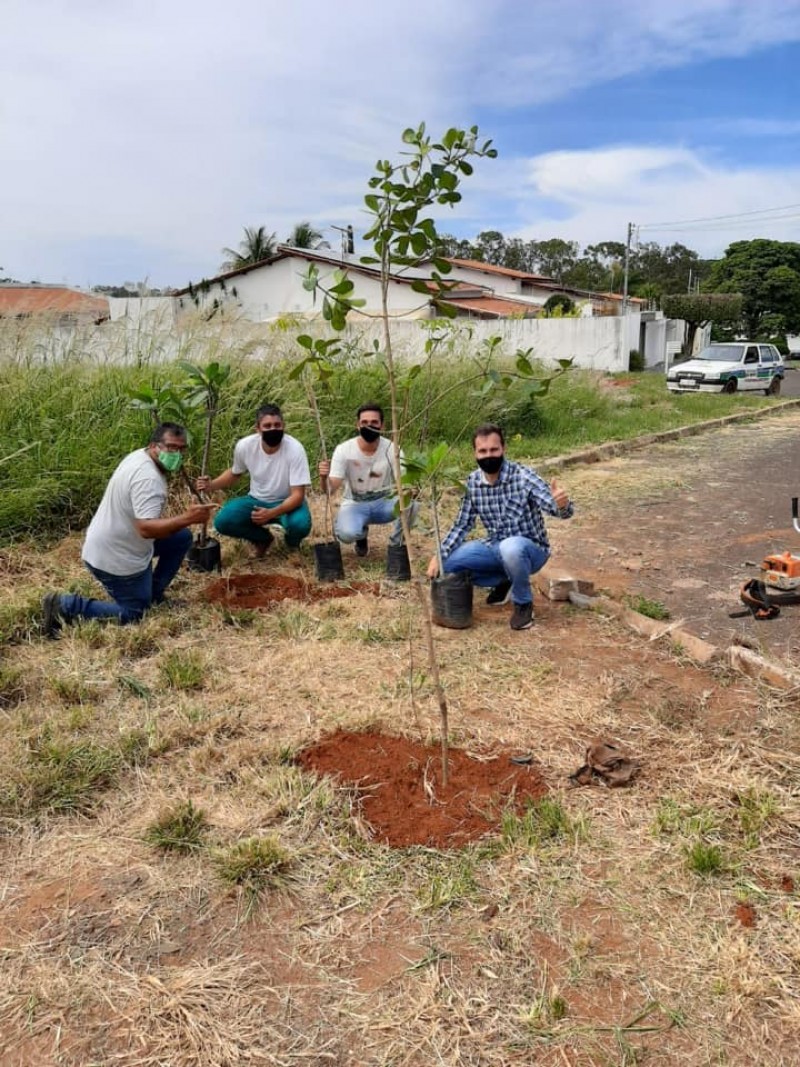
{"x": 687, "y": 522}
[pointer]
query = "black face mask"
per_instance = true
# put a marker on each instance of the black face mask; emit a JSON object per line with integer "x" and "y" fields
{"x": 490, "y": 464}
{"x": 369, "y": 433}
{"x": 271, "y": 438}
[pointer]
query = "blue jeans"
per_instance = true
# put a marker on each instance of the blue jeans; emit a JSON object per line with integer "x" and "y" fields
{"x": 131, "y": 594}
{"x": 233, "y": 520}
{"x": 514, "y": 559}
{"x": 356, "y": 516}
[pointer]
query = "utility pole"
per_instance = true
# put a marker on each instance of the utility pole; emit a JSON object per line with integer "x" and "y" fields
{"x": 627, "y": 269}
{"x": 623, "y": 330}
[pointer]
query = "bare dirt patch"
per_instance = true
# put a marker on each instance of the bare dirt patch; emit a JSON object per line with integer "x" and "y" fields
{"x": 686, "y": 522}
{"x": 402, "y": 796}
{"x": 263, "y": 590}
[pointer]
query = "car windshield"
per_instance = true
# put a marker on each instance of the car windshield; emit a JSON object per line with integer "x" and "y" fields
{"x": 722, "y": 353}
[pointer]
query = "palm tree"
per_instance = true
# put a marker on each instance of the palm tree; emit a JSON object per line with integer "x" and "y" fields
{"x": 304, "y": 235}
{"x": 256, "y": 245}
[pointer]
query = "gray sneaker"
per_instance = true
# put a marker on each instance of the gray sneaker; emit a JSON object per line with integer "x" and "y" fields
{"x": 52, "y": 619}
{"x": 522, "y": 617}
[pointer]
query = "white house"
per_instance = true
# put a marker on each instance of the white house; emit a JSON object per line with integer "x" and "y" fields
{"x": 272, "y": 288}
{"x": 537, "y": 288}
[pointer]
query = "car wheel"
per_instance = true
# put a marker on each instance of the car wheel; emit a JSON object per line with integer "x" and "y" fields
{"x": 729, "y": 386}
{"x": 774, "y": 388}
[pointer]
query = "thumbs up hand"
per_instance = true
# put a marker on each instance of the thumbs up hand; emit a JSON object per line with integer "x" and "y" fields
{"x": 560, "y": 495}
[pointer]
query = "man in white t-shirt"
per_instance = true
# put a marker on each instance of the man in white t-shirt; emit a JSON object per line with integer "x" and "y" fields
{"x": 279, "y": 474}
{"x": 363, "y": 466}
{"x": 127, "y": 532}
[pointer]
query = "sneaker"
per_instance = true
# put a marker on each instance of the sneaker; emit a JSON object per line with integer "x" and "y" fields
{"x": 362, "y": 546}
{"x": 260, "y": 548}
{"x": 499, "y": 595}
{"x": 52, "y": 619}
{"x": 522, "y": 617}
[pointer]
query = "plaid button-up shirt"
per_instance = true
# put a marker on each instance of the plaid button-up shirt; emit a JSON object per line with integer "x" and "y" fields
{"x": 513, "y": 507}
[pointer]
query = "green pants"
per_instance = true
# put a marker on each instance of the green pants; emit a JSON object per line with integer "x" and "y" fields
{"x": 234, "y": 520}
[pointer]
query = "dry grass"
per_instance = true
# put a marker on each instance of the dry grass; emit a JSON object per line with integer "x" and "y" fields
{"x": 582, "y": 939}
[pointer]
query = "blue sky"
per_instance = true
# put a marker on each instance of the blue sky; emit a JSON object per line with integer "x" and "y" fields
{"x": 136, "y": 142}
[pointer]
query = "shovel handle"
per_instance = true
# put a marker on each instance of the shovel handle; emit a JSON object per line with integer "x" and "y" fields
{"x": 190, "y": 486}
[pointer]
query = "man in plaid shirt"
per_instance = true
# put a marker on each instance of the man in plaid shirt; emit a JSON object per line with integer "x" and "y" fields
{"x": 511, "y": 501}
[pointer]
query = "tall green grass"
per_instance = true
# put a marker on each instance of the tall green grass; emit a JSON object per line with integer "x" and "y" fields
{"x": 65, "y": 423}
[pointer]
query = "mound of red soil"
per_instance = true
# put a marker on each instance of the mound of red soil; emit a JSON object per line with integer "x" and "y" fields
{"x": 402, "y": 799}
{"x": 262, "y": 590}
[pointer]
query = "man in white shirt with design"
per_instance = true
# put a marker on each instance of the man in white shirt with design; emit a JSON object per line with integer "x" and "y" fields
{"x": 363, "y": 466}
{"x": 279, "y": 474}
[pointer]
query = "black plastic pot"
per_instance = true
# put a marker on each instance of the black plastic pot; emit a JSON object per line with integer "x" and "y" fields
{"x": 398, "y": 567}
{"x": 328, "y": 563}
{"x": 205, "y": 557}
{"x": 451, "y": 601}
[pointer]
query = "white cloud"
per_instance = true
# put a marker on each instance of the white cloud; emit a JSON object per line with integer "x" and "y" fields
{"x": 140, "y": 139}
{"x": 591, "y": 196}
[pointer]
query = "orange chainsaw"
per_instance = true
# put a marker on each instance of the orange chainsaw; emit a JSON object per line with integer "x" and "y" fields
{"x": 778, "y": 585}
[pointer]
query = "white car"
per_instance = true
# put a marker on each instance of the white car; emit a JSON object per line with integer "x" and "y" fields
{"x": 732, "y": 367}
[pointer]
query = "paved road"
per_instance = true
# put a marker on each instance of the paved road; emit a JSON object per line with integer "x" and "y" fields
{"x": 791, "y": 383}
{"x": 687, "y": 522}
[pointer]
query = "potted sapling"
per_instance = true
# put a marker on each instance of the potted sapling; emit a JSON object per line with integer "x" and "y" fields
{"x": 204, "y": 387}
{"x": 328, "y": 563}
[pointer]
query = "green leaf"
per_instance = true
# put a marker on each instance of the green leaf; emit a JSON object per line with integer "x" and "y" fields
{"x": 523, "y": 365}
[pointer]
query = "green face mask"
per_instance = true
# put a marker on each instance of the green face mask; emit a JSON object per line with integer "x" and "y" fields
{"x": 170, "y": 461}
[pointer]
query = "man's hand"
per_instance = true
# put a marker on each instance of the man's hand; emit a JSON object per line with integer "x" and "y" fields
{"x": 324, "y": 468}
{"x": 262, "y": 516}
{"x": 560, "y": 495}
{"x": 203, "y": 484}
{"x": 433, "y": 568}
{"x": 199, "y": 513}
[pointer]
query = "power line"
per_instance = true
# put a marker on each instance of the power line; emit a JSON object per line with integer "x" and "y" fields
{"x": 719, "y": 227}
{"x": 718, "y": 218}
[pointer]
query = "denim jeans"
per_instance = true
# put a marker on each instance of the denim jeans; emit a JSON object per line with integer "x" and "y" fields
{"x": 132, "y": 594}
{"x": 234, "y": 520}
{"x": 356, "y": 516}
{"x": 514, "y": 559}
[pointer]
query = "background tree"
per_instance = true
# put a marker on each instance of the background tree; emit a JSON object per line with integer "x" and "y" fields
{"x": 304, "y": 235}
{"x": 767, "y": 274}
{"x": 450, "y": 247}
{"x": 702, "y": 309}
{"x": 554, "y": 258}
{"x": 256, "y": 245}
{"x": 490, "y": 247}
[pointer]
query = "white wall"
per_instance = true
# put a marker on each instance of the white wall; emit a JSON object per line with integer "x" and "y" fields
{"x": 595, "y": 343}
{"x": 655, "y": 340}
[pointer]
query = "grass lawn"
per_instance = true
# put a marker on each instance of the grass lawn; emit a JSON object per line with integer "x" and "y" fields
{"x": 175, "y": 889}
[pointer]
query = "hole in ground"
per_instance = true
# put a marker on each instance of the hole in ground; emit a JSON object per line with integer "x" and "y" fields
{"x": 262, "y": 590}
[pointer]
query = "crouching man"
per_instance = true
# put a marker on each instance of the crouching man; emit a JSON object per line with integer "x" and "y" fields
{"x": 127, "y": 533}
{"x": 511, "y": 501}
{"x": 278, "y": 469}
{"x": 363, "y": 466}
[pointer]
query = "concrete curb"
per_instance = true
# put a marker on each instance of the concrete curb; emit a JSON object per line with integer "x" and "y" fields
{"x": 702, "y": 652}
{"x": 598, "y": 453}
